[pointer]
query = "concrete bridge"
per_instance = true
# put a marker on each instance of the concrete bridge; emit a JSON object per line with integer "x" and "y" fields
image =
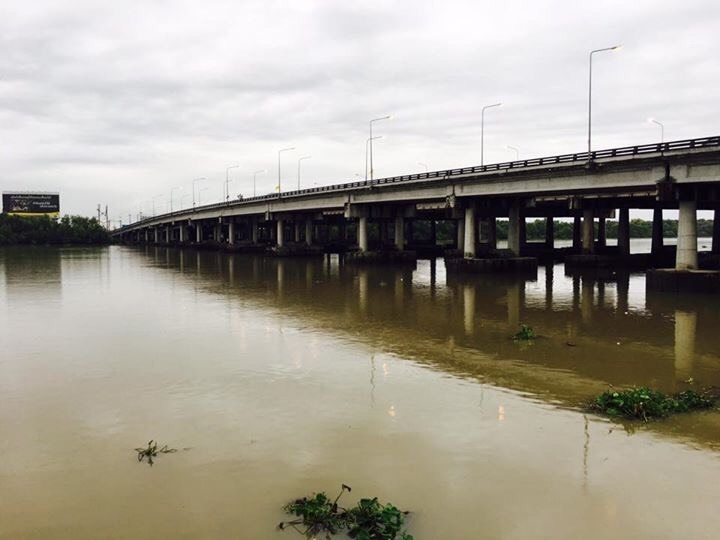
{"x": 588, "y": 187}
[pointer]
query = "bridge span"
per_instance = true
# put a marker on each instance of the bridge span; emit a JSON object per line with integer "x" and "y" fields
{"x": 588, "y": 187}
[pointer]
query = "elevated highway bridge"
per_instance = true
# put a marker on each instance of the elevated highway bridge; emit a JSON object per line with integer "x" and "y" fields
{"x": 589, "y": 187}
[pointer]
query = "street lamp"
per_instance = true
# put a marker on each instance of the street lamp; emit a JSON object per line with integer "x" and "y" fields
{"x": 171, "y": 196}
{"x": 614, "y": 48}
{"x": 299, "y": 160}
{"x": 199, "y": 192}
{"x": 423, "y": 165}
{"x": 369, "y": 143}
{"x": 516, "y": 150}
{"x": 370, "y": 140}
{"x": 482, "y": 130}
{"x": 153, "y": 203}
{"x": 662, "y": 128}
{"x": 227, "y": 181}
{"x": 193, "y": 187}
{"x": 255, "y": 178}
{"x": 279, "y": 186}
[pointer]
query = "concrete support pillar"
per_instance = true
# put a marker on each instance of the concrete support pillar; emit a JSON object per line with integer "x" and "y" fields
{"x": 577, "y": 233}
{"x": 182, "y": 233}
{"x": 399, "y": 233}
{"x": 460, "y": 228}
{"x": 522, "y": 232}
{"x": 362, "y": 234}
{"x": 157, "y": 235}
{"x": 687, "y": 257}
{"x": 433, "y": 232}
{"x": 198, "y": 232}
{"x": 623, "y": 240}
{"x": 514, "y": 230}
{"x": 296, "y": 230}
{"x": 147, "y": 235}
{"x": 309, "y": 232}
{"x": 469, "y": 240}
{"x": 716, "y": 232}
{"x": 254, "y": 231}
{"x": 168, "y": 234}
{"x": 383, "y": 232}
{"x": 231, "y": 233}
{"x": 492, "y": 232}
{"x": 588, "y": 231}
{"x": 280, "y": 235}
{"x": 549, "y": 232}
{"x": 216, "y": 232}
{"x": 657, "y": 231}
{"x": 602, "y": 233}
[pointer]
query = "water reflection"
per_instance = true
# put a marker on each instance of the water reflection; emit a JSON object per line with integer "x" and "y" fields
{"x": 597, "y": 328}
{"x": 295, "y": 375}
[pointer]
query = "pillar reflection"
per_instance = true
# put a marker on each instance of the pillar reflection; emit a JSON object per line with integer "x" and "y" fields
{"x": 685, "y": 330}
{"x": 514, "y": 301}
{"x": 363, "y": 289}
{"x": 469, "y": 308}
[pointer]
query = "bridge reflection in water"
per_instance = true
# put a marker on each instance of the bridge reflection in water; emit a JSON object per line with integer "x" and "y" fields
{"x": 595, "y": 330}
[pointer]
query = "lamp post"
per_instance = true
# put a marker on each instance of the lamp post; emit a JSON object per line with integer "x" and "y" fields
{"x": 662, "y": 128}
{"x": 279, "y": 186}
{"x": 227, "y": 181}
{"x": 199, "y": 192}
{"x": 423, "y": 165}
{"x": 299, "y": 160}
{"x": 262, "y": 171}
{"x": 370, "y": 140}
{"x": 516, "y": 150}
{"x": 171, "y": 196}
{"x": 614, "y": 48}
{"x": 193, "y": 188}
{"x": 369, "y": 143}
{"x": 482, "y": 130}
{"x": 153, "y": 203}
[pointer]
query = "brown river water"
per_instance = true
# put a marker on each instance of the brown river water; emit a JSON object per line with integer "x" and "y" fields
{"x": 279, "y": 378}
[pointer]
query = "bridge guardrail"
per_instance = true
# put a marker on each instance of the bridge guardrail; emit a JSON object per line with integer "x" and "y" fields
{"x": 685, "y": 144}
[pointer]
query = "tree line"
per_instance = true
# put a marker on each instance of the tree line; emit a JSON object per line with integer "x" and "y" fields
{"x": 43, "y": 230}
{"x": 535, "y": 230}
{"x": 639, "y": 228}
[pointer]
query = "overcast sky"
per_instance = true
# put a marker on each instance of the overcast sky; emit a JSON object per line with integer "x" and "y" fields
{"x": 118, "y": 102}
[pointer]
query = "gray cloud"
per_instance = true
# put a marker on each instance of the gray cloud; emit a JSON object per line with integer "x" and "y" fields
{"x": 117, "y": 102}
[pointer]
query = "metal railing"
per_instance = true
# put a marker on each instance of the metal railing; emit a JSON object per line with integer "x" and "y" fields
{"x": 579, "y": 157}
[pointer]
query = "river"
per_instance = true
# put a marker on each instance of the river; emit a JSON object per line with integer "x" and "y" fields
{"x": 276, "y": 378}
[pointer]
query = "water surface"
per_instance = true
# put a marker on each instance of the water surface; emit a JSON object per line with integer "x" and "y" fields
{"x": 276, "y": 378}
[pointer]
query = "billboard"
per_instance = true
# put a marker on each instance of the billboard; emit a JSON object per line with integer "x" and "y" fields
{"x": 31, "y": 203}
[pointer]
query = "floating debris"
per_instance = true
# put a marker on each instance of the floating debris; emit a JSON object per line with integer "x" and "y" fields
{"x": 369, "y": 519}
{"x": 645, "y": 404}
{"x": 152, "y": 451}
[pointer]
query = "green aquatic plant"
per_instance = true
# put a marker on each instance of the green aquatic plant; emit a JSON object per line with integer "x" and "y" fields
{"x": 644, "y": 403}
{"x": 526, "y": 333}
{"x": 152, "y": 451}
{"x": 368, "y": 520}
{"x": 371, "y": 520}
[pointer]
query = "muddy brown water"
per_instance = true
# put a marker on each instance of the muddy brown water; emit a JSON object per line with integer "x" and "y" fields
{"x": 277, "y": 378}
